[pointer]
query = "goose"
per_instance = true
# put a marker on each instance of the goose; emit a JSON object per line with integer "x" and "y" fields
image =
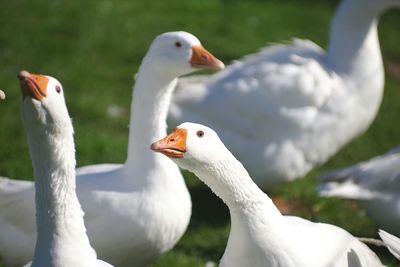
{"x": 135, "y": 211}
{"x": 374, "y": 184}
{"x": 392, "y": 242}
{"x": 2, "y": 95}
{"x": 61, "y": 233}
{"x": 306, "y": 103}
{"x": 260, "y": 235}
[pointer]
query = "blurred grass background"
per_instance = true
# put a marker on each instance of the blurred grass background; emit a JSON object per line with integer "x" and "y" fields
{"x": 94, "y": 47}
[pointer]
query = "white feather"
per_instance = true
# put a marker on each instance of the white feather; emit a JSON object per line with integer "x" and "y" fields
{"x": 62, "y": 240}
{"x": 135, "y": 211}
{"x": 375, "y": 184}
{"x": 260, "y": 235}
{"x": 289, "y": 108}
{"x": 392, "y": 242}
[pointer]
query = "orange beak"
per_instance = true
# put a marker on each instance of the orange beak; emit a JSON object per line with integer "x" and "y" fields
{"x": 33, "y": 85}
{"x": 202, "y": 59}
{"x": 173, "y": 145}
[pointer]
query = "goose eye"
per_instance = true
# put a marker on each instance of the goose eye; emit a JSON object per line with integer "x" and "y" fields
{"x": 178, "y": 44}
{"x": 200, "y": 134}
{"x": 58, "y": 89}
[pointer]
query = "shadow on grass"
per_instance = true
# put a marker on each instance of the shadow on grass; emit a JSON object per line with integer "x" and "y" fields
{"x": 207, "y": 208}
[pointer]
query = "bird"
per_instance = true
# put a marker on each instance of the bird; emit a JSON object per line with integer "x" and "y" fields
{"x": 290, "y": 107}
{"x": 374, "y": 184}
{"x": 260, "y": 235}
{"x": 392, "y": 242}
{"x": 62, "y": 239}
{"x": 2, "y": 95}
{"x": 135, "y": 211}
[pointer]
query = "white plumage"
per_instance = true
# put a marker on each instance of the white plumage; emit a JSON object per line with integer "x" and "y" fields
{"x": 289, "y": 108}
{"x": 375, "y": 184}
{"x": 392, "y": 242}
{"x": 135, "y": 211}
{"x": 260, "y": 235}
{"x": 62, "y": 239}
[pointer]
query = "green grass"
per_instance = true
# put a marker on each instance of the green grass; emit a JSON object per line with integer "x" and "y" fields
{"x": 95, "y": 46}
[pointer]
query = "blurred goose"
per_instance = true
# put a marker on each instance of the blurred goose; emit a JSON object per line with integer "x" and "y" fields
{"x": 375, "y": 184}
{"x": 135, "y": 211}
{"x": 260, "y": 235}
{"x": 61, "y": 232}
{"x": 2, "y": 95}
{"x": 304, "y": 102}
{"x": 392, "y": 242}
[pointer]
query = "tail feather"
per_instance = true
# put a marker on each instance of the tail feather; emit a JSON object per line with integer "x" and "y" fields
{"x": 343, "y": 183}
{"x": 365, "y": 180}
{"x": 340, "y": 175}
{"x": 346, "y": 189}
{"x": 392, "y": 242}
{"x": 367, "y": 172}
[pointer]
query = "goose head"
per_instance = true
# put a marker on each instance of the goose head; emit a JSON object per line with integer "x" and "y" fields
{"x": 192, "y": 145}
{"x": 180, "y": 53}
{"x": 43, "y": 104}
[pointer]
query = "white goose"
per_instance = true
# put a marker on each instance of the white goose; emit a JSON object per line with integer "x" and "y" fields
{"x": 2, "y": 95}
{"x": 375, "y": 184}
{"x": 392, "y": 242}
{"x": 135, "y": 211}
{"x": 306, "y": 103}
{"x": 260, "y": 235}
{"x": 61, "y": 232}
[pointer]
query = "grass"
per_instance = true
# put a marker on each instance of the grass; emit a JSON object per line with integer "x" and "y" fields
{"x": 95, "y": 46}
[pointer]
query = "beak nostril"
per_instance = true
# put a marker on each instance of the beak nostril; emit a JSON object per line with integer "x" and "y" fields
{"x": 172, "y": 139}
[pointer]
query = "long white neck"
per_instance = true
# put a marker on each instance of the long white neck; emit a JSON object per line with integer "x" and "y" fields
{"x": 61, "y": 233}
{"x": 256, "y": 223}
{"x": 149, "y": 109}
{"x": 354, "y": 46}
{"x": 229, "y": 180}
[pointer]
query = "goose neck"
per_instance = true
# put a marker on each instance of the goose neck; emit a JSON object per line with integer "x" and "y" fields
{"x": 229, "y": 180}
{"x": 151, "y": 98}
{"x": 354, "y": 46}
{"x": 59, "y": 216}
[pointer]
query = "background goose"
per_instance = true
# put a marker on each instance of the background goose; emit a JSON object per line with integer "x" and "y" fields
{"x": 61, "y": 232}
{"x": 392, "y": 242}
{"x": 375, "y": 184}
{"x": 135, "y": 211}
{"x": 2, "y": 95}
{"x": 260, "y": 235}
{"x": 305, "y": 103}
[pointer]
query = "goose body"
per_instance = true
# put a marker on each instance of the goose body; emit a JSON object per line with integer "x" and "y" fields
{"x": 2, "y": 95}
{"x": 260, "y": 235}
{"x": 392, "y": 242}
{"x": 61, "y": 233}
{"x": 135, "y": 211}
{"x": 306, "y": 103}
{"x": 375, "y": 184}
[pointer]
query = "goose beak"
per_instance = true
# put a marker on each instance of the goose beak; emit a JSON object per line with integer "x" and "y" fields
{"x": 33, "y": 85}
{"x": 202, "y": 59}
{"x": 2, "y": 95}
{"x": 173, "y": 145}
